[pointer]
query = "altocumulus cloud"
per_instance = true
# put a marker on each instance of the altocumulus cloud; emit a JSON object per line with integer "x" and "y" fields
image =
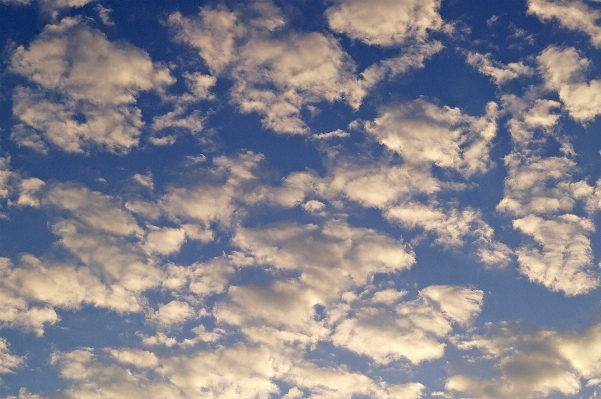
{"x": 274, "y": 199}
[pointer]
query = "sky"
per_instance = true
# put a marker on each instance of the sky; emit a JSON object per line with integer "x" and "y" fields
{"x": 300, "y": 199}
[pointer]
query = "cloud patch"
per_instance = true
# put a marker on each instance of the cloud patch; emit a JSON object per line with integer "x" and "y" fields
{"x": 82, "y": 90}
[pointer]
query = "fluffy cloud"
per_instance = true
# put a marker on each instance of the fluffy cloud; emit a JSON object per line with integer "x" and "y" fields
{"x": 564, "y": 71}
{"x": 565, "y": 261}
{"x": 330, "y": 260}
{"x": 84, "y": 90}
{"x": 385, "y": 22}
{"x": 325, "y": 254}
{"x": 95, "y": 210}
{"x": 277, "y": 77}
{"x": 28, "y": 192}
{"x": 219, "y": 195}
{"x": 113, "y": 268}
{"x": 374, "y": 185}
{"x": 281, "y": 74}
{"x": 237, "y": 371}
{"x": 541, "y": 186}
{"x": 530, "y": 118}
{"x": 531, "y": 364}
{"x": 16, "y": 311}
{"x": 299, "y": 70}
{"x": 412, "y": 330}
{"x": 542, "y": 196}
{"x": 172, "y": 313}
{"x": 572, "y": 14}
{"x": 8, "y": 361}
{"x": 498, "y": 72}
{"x": 200, "y": 279}
{"x": 425, "y": 134}
{"x": 90, "y": 377}
{"x": 164, "y": 241}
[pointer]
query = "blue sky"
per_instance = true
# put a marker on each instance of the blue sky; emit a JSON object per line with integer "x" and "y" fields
{"x": 300, "y": 199}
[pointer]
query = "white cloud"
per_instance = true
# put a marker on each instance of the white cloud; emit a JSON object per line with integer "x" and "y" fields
{"x": 452, "y": 226}
{"x": 176, "y": 119}
{"x": 293, "y": 189}
{"x": 252, "y": 372}
{"x": 280, "y": 74}
{"x": 572, "y": 14}
{"x": 213, "y": 34}
{"x": 565, "y": 261}
{"x": 339, "y": 383}
{"x": 374, "y": 185}
{"x": 406, "y": 193}
{"x": 544, "y": 199}
{"x": 84, "y": 90}
{"x": 385, "y": 22}
{"x": 218, "y": 196}
{"x": 425, "y": 134}
{"x": 199, "y": 279}
{"x": 328, "y": 260}
{"x": 95, "y": 210}
{"x": 530, "y": 117}
{"x": 135, "y": 357}
{"x": 16, "y": 311}
{"x": 530, "y": 364}
{"x": 412, "y": 57}
{"x": 54, "y": 4}
{"x": 8, "y": 361}
{"x": 413, "y": 330}
{"x": 338, "y": 133}
{"x": 352, "y": 252}
{"x": 276, "y": 76}
{"x": 285, "y": 306}
{"x": 237, "y": 371}
{"x": 314, "y": 206}
{"x": 200, "y": 85}
{"x": 498, "y": 72}
{"x": 563, "y": 70}
{"x": 5, "y": 175}
{"x": 172, "y": 314}
{"x": 28, "y": 192}
{"x": 90, "y": 377}
{"x": 539, "y": 185}
{"x": 165, "y": 240}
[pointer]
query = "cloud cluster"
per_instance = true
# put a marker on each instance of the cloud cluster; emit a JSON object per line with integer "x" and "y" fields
{"x": 531, "y": 364}
{"x": 282, "y": 74}
{"x": 82, "y": 90}
{"x": 427, "y": 138}
{"x": 411, "y": 330}
{"x": 238, "y": 371}
{"x": 542, "y": 197}
{"x": 278, "y": 76}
